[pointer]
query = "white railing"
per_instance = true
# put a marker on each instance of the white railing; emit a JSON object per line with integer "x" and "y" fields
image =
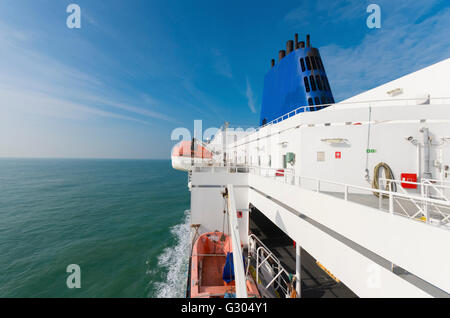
{"x": 220, "y": 168}
{"x": 429, "y": 188}
{"x": 421, "y": 208}
{"x": 239, "y": 273}
{"x": 369, "y": 103}
{"x": 278, "y": 275}
{"x": 400, "y": 101}
{"x": 426, "y": 208}
{"x": 438, "y": 186}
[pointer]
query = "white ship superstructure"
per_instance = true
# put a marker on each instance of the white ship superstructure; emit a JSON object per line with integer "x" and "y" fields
{"x": 362, "y": 187}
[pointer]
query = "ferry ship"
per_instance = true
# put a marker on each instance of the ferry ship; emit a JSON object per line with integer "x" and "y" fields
{"x": 325, "y": 199}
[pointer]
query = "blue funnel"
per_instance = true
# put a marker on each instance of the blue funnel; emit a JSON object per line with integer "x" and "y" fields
{"x": 298, "y": 79}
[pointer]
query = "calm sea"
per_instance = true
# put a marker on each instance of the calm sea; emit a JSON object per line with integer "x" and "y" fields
{"x": 124, "y": 222}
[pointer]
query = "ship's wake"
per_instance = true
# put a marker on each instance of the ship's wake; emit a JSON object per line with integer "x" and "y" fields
{"x": 175, "y": 260}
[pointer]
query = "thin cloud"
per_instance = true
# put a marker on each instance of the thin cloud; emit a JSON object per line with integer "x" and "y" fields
{"x": 221, "y": 64}
{"x": 129, "y": 107}
{"x": 334, "y": 11}
{"x": 29, "y": 102}
{"x": 250, "y": 97}
{"x": 26, "y": 69}
{"x": 388, "y": 53}
{"x": 202, "y": 98}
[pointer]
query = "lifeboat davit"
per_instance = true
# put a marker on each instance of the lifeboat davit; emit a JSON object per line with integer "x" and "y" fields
{"x": 188, "y": 153}
{"x": 211, "y": 272}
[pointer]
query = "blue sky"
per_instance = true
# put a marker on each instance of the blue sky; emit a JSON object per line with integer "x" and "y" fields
{"x": 117, "y": 87}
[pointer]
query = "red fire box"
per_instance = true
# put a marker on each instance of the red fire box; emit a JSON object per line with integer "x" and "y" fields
{"x": 239, "y": 214}
{"x": 409, "y": 177}
{"x": 338, "y": 155}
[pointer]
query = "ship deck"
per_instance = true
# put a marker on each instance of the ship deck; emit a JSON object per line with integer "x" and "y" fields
{"x": 406, "y": 207}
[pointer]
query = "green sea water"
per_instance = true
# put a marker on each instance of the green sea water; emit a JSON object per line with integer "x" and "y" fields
{"x": 124, "y": 222}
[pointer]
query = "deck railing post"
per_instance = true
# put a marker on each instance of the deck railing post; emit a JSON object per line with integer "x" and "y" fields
{"x": 427, "y": 212}
{"x": 238, "y": 262}
{"x": 380, "y": 200}
{"x": 298, "y": 268}
{"x": 257, "y": 265}
{"x": 391, "y": 199}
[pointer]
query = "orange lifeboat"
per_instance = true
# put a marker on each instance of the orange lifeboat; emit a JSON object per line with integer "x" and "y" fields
{"x": 209, "y": 255}
{"x": 186, "y": 153}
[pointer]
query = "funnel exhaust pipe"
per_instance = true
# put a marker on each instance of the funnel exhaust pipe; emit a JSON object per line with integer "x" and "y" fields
{"x": 281, "y": 55}
{"x": 289, "y": 47}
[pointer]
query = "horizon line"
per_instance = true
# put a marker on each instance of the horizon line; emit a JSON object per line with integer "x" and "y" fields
{"x": 83, "y": 158}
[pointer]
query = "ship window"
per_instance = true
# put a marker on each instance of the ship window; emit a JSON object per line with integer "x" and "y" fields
{"x": 316, "y": 60}
{"x": 305, "y": 79}
{"x": 308, "y": 63}
{"x": 302, "y": 63}
{"x": 328, "y": 84}
{"x": 319, "y": 62}
{"x": 325, "y": 87}
{"x": 319, "y": 82}
{"x": 313, "y": 82}
{"x": 316, "y": 100}
{"x": 324, "y": 100}
{"x": 310, "y": 103}
{"x": 313, "y": 61}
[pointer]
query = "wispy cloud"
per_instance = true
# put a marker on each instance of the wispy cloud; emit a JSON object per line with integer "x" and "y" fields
{"x": 129, "y": 107}
{"x": 334, "y": 11}
{"x": 27, "y": 72}
{"x": 202, "y": 98}
{"x": 250, "y": 97}
{"x": 399, "y": 47}
{"x": 31, "y": 102}
{"x": 221, "y": 64}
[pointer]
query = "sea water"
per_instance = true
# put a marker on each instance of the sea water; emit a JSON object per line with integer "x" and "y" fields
{"x": 124, "y": 222}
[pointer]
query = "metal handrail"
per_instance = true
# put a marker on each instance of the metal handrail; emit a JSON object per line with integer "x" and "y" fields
{"x": 393, "y": 196}
{"x": 406, "y": 196}
{"x": 295, "y": 111}
{"x": 369, "y": 102}
{"x": 291, "y": 173}
{"x": 239, "y": 273}
{"x": 426, "y": 182}
{"x": 271, "y": 256}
